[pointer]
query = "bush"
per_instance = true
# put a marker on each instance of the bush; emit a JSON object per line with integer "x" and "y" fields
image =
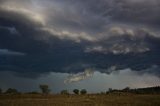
{"x": 76, "y": 91}
{"x": 83, "y": 91}
{"x": 64, "y": 92}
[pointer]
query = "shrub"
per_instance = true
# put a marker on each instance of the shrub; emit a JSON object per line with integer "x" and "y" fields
{"x": 76, "y": 91}
{"x": 83, "y": 91}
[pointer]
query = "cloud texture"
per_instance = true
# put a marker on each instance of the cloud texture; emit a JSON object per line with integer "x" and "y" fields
{"x": 71, "y": 36}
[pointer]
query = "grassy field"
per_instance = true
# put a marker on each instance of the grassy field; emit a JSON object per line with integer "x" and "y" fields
{"x": 80, "y": 100}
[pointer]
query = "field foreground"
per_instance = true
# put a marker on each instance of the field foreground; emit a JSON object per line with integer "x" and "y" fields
{"x": 79, "y": 100}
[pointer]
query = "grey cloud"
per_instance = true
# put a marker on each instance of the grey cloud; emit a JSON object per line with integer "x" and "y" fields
{"x": 22, "y": 16}
{"x": 41, "y": 23}
{"x": 154, "y": 70}
{"x": 118, "y": 49}
{"x": 124, "y": 40}
{"x": 76, "y": 20}
{"x": 139, "y": 12}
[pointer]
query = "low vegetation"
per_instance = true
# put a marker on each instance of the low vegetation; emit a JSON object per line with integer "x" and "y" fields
{"x": 125, "y": 97}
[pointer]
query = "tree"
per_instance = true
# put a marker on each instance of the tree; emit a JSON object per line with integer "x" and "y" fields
{"x": 126, "y": 89}
{"x": 110, "y": 90}
{"x": 11, "y": 91}
{"x": 76, "y": 91}
{"x": 83, "y": 91}
{"x": 45, "y": 89}
{"x": 64, "y": 92}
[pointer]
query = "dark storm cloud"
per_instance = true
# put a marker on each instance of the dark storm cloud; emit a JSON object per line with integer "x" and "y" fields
{"x": 71, "y": 36}
{"x": 127, "y": 11}
{"x": 140, "y": 12}
{"x": 8, "y": 52}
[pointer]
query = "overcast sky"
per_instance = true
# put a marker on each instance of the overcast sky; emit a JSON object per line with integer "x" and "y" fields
{"x": 70, "y": 43}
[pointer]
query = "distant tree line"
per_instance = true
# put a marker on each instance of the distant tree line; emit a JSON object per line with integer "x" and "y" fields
{"x": 45, "y": 90}
{"x": 75, "y": 91}
{"x": 148, "y": 90}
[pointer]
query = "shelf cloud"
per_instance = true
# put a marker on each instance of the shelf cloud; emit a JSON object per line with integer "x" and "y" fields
{"x": 71, "y": 36}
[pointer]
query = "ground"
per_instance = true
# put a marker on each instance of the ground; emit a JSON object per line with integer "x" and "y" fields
{"x": 80, "y": 100}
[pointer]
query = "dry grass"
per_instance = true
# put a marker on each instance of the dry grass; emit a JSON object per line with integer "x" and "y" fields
{"x": 80, "y": 100}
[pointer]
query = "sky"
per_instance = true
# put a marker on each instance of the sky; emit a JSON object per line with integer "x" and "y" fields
{"x": 84, "y": 44}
